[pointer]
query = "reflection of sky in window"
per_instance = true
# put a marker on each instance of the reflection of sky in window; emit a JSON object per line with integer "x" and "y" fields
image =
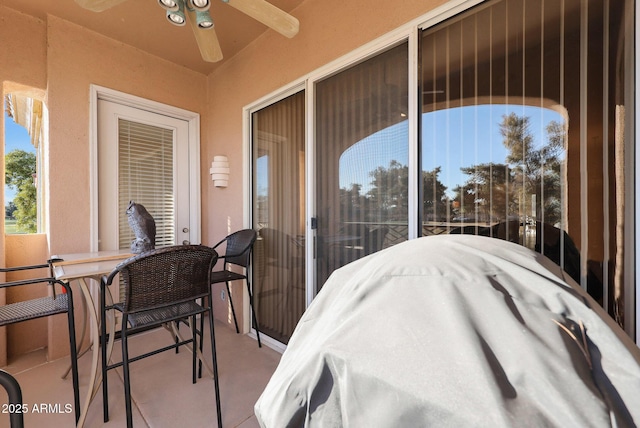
{"x": 377, "y": 150}
{"x": 15, "y": 137}
{"x": 451, "y": 138}
{"x": 262, "y": 175}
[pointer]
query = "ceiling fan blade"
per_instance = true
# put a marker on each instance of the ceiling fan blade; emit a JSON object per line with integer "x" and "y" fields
{"x": 207, "y": 39}
{"x": 98, "y": 5}
{"x": 269, "y": 15}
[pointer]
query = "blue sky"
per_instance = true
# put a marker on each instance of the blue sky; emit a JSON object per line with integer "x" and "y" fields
{"x": 15, "y": 137}
{"x": 451, "y": 138}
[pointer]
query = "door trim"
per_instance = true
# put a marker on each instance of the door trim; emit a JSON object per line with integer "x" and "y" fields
{"x": 193, "y": 119}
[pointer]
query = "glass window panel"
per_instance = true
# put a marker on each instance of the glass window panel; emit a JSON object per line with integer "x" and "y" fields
{"x": 278, "y": 144}
{"x": 362, "y": 158}
{"x": 518, "y": 132}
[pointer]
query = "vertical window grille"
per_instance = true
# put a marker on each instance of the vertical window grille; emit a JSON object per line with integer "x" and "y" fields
{"x": 521, "y": 133}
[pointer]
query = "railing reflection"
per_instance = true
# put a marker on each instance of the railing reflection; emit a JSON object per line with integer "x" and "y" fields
{"x": 279, "y": 294}
{"x": 280, "y": 259}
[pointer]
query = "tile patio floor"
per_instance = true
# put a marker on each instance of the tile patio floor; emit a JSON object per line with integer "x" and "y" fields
{"x": 163, "y": 395}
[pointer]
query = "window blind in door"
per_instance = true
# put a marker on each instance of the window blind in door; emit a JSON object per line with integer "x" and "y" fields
{"x": 145, "y": 175}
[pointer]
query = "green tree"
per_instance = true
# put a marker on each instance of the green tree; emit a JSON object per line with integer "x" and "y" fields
{"x": 536, "y": 171}
{"x": 20, "y": 170}
{"x": 499, "y": 190}
{"x": 521, "y": 158}
{"x": 352, "y": 203}
{"x": 552, "y": 155}
{"x": 486, "y": 194}
{"x": 9, "y": 210}
{"x": 388, "y": 197}
{"x": 433, "y": 195}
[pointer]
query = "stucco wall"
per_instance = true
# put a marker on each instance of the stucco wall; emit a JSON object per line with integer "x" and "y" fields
{"x": 76, "y": 59}
{"x": 329, "y": 29}
{"x": 22, "y": 64}
{"x": 63, "y": 60}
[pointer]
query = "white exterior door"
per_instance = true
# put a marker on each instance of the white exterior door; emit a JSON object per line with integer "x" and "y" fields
{"x": 145, "y": 156}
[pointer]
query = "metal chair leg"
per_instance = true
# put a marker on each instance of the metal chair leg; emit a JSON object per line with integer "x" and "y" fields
{"x": 201, "y": 339}
{"x": 177, "y": 323}
{"x": 127, "y": 377}
{"x": 253, "y": 312}
{"x": 215, "y": 363}
{"x": 73, "y": 353}
{"x": 103, "y": 346}
{"x": 194, "y": 346}
{"x": 233, "y": 311}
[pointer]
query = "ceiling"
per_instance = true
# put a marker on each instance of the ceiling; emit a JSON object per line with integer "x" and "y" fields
{"x": 143, "y": 24}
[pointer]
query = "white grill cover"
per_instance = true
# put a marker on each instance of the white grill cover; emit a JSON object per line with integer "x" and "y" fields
{"x": 454, "y": 331}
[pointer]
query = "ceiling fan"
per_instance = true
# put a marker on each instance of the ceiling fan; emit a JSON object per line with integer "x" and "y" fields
{"x": 196, "y": 12}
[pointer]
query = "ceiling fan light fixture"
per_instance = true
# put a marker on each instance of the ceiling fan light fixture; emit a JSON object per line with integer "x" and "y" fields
{"x": 171, "y": 5}
{"x": 200, "y": 5}
{"x": 176, "y": 17}
{"x": 204, "y": 20}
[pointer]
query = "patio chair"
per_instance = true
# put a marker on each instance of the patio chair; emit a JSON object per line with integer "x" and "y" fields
{"x": 53, "y": 304}
{"x": 160, "y": 287}
{"x": 14, "y": 393}
{"x": 281, "y": 281}
{"x": 237, "y": 252}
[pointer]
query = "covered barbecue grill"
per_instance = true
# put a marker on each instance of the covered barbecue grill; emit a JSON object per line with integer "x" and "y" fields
{"x": 454, "y": 331}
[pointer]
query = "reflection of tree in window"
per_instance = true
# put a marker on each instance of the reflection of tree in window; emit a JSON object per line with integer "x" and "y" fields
{"x": 388, "y": 195}
{"x": 527, "y": 186}
{"x": 387, "y": 198}
{"x": 529, "y": 182}
{"x": 485, "y": 194}
{"x": 434, "y": 197}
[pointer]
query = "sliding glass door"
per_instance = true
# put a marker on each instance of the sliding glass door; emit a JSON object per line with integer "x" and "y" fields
{"x": 520, "y": 128}
{"x": 361, "y": 160}
{"x": 278, "y": 157}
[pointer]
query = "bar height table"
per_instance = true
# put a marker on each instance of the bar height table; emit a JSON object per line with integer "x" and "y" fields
{"x": 82, "y": 267}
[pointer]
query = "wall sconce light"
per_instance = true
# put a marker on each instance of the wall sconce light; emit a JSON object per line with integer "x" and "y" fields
{"x": 219, "y": 171}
